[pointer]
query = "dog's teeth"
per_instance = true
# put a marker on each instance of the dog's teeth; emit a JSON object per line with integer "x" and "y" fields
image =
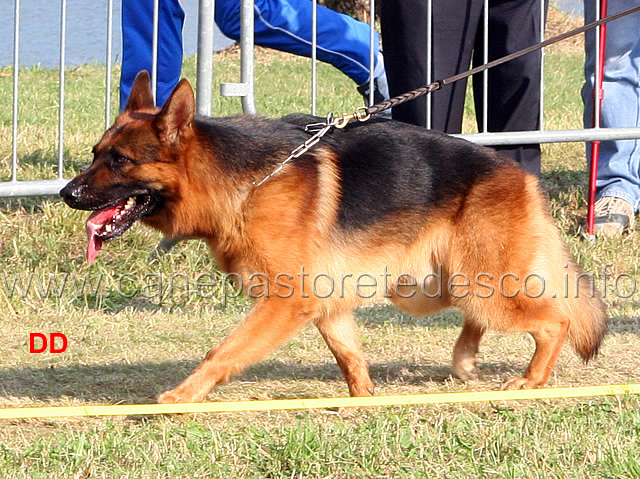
{"x": 108, "y": 228}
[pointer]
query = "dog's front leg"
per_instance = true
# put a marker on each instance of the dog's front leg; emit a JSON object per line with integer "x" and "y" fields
{"x": 271, "y": 322}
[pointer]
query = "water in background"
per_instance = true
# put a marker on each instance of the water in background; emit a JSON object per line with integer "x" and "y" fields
{"x": 572, "y": 7}
{"x": 86, "y": 32}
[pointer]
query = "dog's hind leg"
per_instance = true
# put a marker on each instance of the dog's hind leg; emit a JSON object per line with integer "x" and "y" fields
{"x": 549, "y": 333}
{"x": 465, "y": 351}
{"x": 340, "y": 333}
{"x": 271, "y": 322}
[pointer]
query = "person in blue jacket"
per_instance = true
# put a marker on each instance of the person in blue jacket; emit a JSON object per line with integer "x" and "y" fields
{"x": 279, "y": 24}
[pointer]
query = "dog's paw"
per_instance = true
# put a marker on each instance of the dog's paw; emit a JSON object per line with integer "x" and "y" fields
{"x": 172, "y": 397}
{"x": 466, "y": 369}
{"x": 361, "y": 390}
{"x": 518, "y": 383}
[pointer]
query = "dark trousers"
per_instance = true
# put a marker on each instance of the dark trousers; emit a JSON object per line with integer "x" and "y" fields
{"x": 514, "y": 87}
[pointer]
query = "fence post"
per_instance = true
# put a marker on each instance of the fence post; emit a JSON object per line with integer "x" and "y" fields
{"x": 61, "y": 91}
{"x": 246, "y": 58}
{"x": 16, "y": 85}
{"x": 107, "y": 95}
{"x": 206, "y": 10}
{"x": 245, "y": 88}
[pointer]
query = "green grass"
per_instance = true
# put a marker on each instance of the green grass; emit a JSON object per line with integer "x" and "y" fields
{"x": 126, "y": 348}
{"x": 419, "y": 442}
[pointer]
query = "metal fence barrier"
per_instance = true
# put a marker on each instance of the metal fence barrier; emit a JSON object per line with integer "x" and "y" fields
{"x": 245, "y": 89}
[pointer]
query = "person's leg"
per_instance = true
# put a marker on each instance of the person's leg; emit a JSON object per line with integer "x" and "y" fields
{"x": 513, "y": 96}
{"x": 619, "y": 161}
{"x": 403, "y": 27}
{"x": 137, "y": 41}
{"x": 404, "y": 31}
{"x": 285, "y": 25}
{"x": 455, "y": 26}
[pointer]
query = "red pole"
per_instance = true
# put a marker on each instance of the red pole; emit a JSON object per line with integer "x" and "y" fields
{"x": 598, "y": 93}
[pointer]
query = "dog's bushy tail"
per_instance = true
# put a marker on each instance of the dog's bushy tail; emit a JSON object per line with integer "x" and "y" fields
{"x": 574, "y": 294}
{"x": 586, "y": 310}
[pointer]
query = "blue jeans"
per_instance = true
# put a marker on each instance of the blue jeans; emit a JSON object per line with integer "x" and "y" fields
{"x": 619, "y": 161}
{"x": 280, "y": 24}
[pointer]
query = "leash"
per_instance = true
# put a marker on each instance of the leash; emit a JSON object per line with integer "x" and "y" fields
{"x": 364, "y": 113}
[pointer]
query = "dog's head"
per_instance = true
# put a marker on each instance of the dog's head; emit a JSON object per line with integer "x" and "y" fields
{"x": 135, "y": 165}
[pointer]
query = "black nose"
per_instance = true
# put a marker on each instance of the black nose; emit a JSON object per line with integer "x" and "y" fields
{"x": 72, "y": 193}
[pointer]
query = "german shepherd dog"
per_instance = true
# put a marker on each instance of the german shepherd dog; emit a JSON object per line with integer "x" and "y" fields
{"x": 377, "y": 212}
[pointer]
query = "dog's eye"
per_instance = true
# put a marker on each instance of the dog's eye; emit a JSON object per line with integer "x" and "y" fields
{"x": 121, "y": 160}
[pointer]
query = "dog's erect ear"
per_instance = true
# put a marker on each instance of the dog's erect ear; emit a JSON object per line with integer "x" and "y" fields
{"x": 177, "y": 113}
{"x": 140, "y": 95}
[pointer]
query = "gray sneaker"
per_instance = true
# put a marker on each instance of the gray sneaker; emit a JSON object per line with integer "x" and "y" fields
{"x": 613, "y": 217}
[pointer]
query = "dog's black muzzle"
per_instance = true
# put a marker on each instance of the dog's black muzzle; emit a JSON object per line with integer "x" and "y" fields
{"x": 75, "y": 194}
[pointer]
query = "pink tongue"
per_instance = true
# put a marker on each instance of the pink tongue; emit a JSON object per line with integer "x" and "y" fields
{"x": 95, "y": 222}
